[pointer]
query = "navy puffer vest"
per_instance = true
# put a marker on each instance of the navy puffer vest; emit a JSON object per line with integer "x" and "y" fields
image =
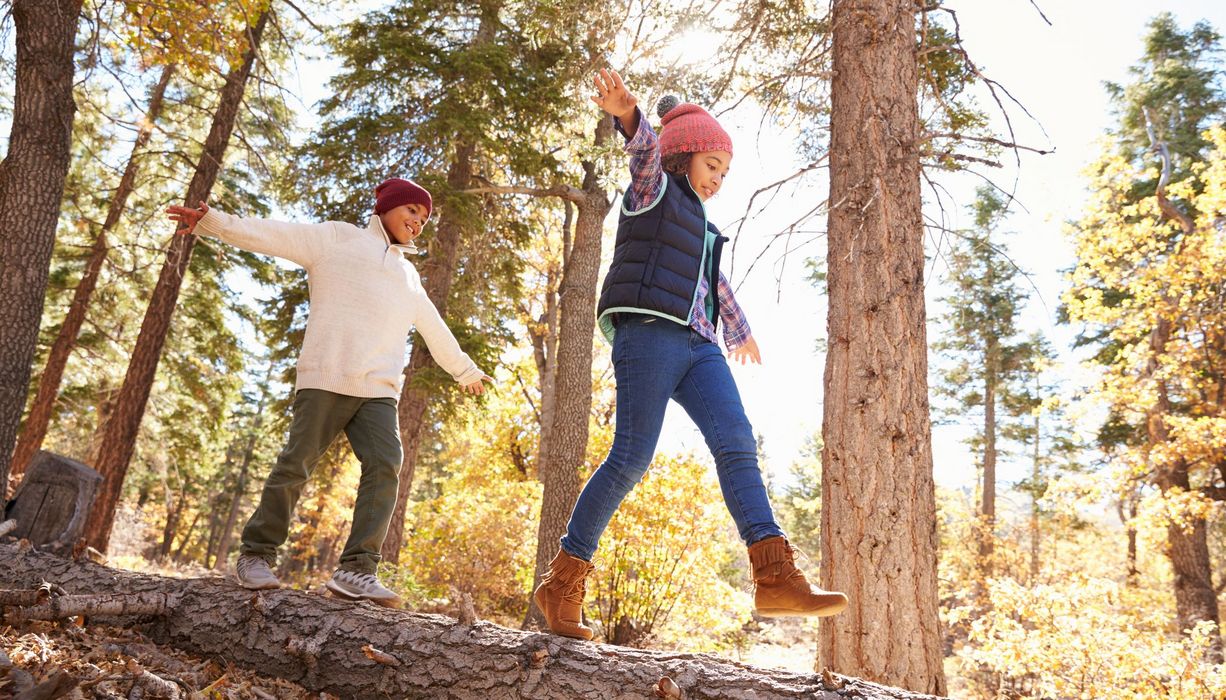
{"x": 660, "y": 255}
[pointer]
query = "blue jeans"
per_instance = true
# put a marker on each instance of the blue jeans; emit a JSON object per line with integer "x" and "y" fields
{"x": 655, "y": 359}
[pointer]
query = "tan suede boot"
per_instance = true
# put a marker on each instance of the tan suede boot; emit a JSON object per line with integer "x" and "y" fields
{"x": 560, "y": 595}
{"x": 781, "y": 589}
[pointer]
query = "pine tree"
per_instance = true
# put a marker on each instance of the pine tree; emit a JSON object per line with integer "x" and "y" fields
{"x": 1146, "y": 301}
{"x": 986, "y": 351}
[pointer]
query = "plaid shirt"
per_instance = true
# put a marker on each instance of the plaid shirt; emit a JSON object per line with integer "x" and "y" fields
{"x": 646, "y": 183}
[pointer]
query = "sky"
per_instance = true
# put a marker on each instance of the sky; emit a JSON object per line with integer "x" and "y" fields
{"x": 1056, "y": 72}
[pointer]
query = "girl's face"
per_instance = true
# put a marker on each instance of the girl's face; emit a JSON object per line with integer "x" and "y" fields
{"x": 707, "y": 172}
{"x": 405, "y": 222}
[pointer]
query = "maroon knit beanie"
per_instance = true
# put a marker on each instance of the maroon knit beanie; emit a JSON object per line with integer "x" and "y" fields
{"x": 394, "y": 192}
{"x": 688, "y": 128}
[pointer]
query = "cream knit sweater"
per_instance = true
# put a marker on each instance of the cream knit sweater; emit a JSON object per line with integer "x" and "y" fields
{"x": 365, "y": 297}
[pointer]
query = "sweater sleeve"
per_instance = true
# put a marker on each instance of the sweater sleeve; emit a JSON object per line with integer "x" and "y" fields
{"x": 442, "y": 344}
{"x": 299, "y": 243}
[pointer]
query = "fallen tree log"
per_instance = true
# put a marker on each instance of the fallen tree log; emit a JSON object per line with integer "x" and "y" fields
{"x": 363, "y": 651}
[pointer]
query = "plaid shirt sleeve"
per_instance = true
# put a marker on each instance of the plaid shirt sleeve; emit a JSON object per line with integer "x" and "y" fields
{"x": 736, "y": 326}
{"x": 646, "y": 175}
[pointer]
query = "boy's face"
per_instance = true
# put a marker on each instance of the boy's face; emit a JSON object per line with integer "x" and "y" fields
{"x": 405, "y": 222}
{"x": 707, "y": 172}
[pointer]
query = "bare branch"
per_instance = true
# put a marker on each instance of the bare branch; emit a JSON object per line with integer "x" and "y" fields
{"x": 566, "y": 192}
{"x": 1040, "y": 11}
{"x": 985, "y": 139}
{"x": 305, "y": 18}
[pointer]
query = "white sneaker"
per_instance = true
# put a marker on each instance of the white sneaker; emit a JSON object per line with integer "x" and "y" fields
{"x": 253, "y": 572}
{"x": 357, "y": 586}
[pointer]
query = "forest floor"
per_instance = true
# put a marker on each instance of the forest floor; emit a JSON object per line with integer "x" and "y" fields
{"x": 108, "y": 662}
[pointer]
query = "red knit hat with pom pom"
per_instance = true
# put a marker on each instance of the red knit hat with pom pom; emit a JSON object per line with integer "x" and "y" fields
{"x": 394, "y": 192}
{"x": 688, "y": 128}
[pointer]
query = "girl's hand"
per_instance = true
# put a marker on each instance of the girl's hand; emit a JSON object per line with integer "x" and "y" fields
{"x": 747, "y": 352}
{"x": 188, "y": 217}
{"x": 478, "y": 387}
{"x": 614, "y": 98}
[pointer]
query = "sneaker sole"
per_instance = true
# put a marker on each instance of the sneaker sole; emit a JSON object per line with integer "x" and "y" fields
{"x": 339, "y": 592}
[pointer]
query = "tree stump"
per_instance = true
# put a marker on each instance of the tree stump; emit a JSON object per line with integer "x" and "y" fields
{"x": 53, "y": 501}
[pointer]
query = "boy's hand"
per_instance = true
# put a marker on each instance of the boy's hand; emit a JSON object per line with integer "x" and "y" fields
{"x": 478, "y": 387}
{"x": 188, "y": 217}
{"x": 614, "y": 98}
{"x": 747, "y": 352}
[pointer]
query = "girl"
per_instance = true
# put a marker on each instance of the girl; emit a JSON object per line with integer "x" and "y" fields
{"x": 364, "y": 299}
{"x": 660, "y": 305}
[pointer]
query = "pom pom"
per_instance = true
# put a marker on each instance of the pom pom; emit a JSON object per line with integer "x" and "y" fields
{"x": 666, "y": 104}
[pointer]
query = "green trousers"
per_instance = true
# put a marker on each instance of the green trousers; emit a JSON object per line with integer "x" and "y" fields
{"x": 373, "y": 431}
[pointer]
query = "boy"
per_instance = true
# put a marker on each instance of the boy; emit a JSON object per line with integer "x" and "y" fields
{"x": 365, "y": 297}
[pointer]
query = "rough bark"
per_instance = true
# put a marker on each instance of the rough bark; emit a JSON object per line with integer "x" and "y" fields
{"x": 59, "y": 684}
{"x": 565, "y": 449}
{"x": 363, "y": 651}
{"x": 1036, "y": 475}
{"x": 878, "y": 527}
{"x": 31, "y": 186}
{"x": 987, "y": 510}
{"x": 545, "y": 340}
{"x": 1186, "y": 547}
{"x": 39, "y": 417}
{"x": 118, "y": 440}
{"x": 437, "y": 273}
{"x": 240, "y": 488}
{"x": 101, "y": 605}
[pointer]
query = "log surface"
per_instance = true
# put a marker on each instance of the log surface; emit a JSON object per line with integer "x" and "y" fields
{"x": 363, "y": 651}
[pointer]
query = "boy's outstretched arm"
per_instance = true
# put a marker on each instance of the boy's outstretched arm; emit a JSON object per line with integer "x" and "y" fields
{"x": 446, "y": 350}
{"x": 187, "y": 216}
{"x": 299, "y": 243}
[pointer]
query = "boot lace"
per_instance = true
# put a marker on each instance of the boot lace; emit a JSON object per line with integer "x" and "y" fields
{"x": 795, "y": 573}
{"x": 575, "y": 592}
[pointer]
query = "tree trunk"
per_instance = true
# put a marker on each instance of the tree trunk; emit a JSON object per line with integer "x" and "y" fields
{"x": 31, "y": 186}
{"x": 438, "y": 273}
{"x": 221, "y": 551}
{"x": 240, "y": 488}
{"x": 118, "y": 440}
{"x": 1187, "y": 547}
{"x": 1036, "y": 476}
{"x": 1126, "y": 517}
{"x": 213, "y": 536}
{"x": 545, "y": 343}
{"x": 987, "y": 510}
{"x": 878, "y": 527}
{"x": 35, "y": 428}
{"x": 187, "y": 536}
{"x": 174, "y": 511}
{"x": 564, "y": 452}
{"x": 363, "y": 651}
